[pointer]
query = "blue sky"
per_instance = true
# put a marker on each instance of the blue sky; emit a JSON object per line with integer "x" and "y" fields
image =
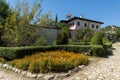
{"x": 107, "y": 11}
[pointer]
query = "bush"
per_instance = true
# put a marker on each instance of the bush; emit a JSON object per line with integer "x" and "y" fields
{"x": 63, "y": 37}
{"x": 97, "y": 39}
{"x": 54, "y": 61}
{"x": 81, "y": 43}
{"x": 97, "y": 50}
{"x": 10, "y": 53}
{"x": 105, "y": 40}
{"x": 83, "y": 34}
{"x": 2, "y": 60}
{"x": 40, "y": 42}
{"x": 108, "y": 45}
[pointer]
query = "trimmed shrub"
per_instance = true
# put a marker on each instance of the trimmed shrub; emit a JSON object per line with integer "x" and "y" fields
{"x": 108, "y": 45}
{"x": 63, "y": 36}
{"x": 97, "y": 39}
{"x": 81, "y": 43}
{"x": 53, "y": 61}
{"x": 105, "y": 40}
{"x": 97, "y": 50}
{"x": 10, "y": 53}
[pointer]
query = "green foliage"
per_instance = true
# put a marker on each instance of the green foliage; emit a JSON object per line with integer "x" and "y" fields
{"x": 40, "y": 42}
{"x": 112, "y": 33}
{"x": 81, "y": 43}
{"x": 56, "y": 19}
{"x": 2, "y": 60}
{"x": 97, "y": 50}
{"x": 118, "y": 34}
{"x": 4, "y": 11}
{"x": 19, "y": 52}
{"x": 107, "y": 45}
{"x": 46, "y": 20}
{"x": 70, "y": 42}
{"x": 61, "y": 25}
{"x": 18, "y": 30}
{"x": 84, "y": 34}
{"x": 79, "y": 34}
{"x": 97, "y": 39}
{"x": 63, "y": 37}
{"x": 88, "y": 35}
{"x": 105, "y": 40}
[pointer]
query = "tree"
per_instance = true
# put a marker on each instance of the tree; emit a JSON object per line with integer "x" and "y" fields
{"x": 118, "y": 34}
{"x": 46, "y": 20}
{"x": 97, "y": 39}
{"x": 88, "y": 35}
{"x": 80, "y": 33}
{"x": 56, "y": 19}
{"x": 19, "y": 26}
{"x": 4, "y": 12}
{"x": 63, "y": 36}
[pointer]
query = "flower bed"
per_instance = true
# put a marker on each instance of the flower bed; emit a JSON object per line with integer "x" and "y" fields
{"x": 53, "y": 61}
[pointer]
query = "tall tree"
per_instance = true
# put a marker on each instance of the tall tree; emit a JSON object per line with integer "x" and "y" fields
{"x": 56, "y": 19}
{"x": 4, "y": 12}
{"x": 63, "y": 36}
{"x": 46, "y": 20}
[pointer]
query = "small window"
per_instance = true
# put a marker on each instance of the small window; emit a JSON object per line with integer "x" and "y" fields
{"x": 92, "y": 26}
{"x": 78, "y": 23}
{"x": 85, "y": 24}
{"x": 97, "y": 27}
{"x": 73, "y": 23}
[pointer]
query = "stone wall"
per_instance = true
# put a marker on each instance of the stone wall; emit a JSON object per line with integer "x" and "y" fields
{"x": 49, "y": 34}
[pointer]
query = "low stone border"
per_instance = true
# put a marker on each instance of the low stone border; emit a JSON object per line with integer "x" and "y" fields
{"x": 43, "y": 76}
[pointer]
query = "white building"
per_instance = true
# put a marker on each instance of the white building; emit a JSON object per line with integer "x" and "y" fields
{"x": 80, "y": 23}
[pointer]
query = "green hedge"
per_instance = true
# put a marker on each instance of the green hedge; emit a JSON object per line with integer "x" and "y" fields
{"x": 19, "y": 52}
{"x": 108, "y": 45}
{"x": 81, "y": 43}
{"x": 97, "y": 50}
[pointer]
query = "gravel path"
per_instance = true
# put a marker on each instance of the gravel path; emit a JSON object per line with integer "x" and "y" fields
{"x": 104, "y": 69}
{"x": 98, "y": 69}
{"x": 9, "y": 75}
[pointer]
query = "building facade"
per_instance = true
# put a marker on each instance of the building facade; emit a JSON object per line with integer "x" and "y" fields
{"x": 80, "y": 23}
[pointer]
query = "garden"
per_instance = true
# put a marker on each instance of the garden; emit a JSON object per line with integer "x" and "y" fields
{"x": 23, "y": 48}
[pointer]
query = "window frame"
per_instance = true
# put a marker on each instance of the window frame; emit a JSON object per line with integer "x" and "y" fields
{"x": 93, "y": 26}
{"x": 78, "y": 23}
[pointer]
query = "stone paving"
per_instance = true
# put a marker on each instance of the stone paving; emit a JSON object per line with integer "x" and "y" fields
{"x": 105, "y": 69}
{"x": 9, "y": 75}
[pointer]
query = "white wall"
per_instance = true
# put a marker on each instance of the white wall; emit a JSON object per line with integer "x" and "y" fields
{"x": 82, "y": 25}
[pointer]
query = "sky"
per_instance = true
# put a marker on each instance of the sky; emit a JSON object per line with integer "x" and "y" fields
{"x": 107, "y": 11}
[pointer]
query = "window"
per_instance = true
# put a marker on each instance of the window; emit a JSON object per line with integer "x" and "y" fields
{"x": 92, "y": 25}
{"x": 78, "y": 23}
{"x": 85, "y": 24}
{"x": 97, "y": 27}
{"x": 73, "y": 23}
